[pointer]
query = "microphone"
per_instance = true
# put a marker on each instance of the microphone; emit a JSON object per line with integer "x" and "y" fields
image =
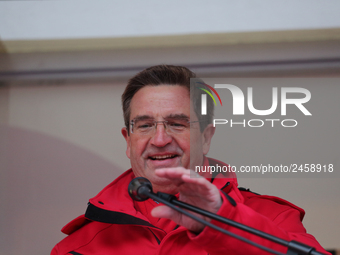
{"x": 139, "y": 189}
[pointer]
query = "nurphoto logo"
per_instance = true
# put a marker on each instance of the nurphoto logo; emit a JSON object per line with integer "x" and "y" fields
{"x": 238, "y": 107}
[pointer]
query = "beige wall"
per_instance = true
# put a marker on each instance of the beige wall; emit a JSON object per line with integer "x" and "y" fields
{"x": 60, "y": 140}
{"x": 87, "y": 115}
{"x": 61, "y": 144}
{"x": 4, "y": 96}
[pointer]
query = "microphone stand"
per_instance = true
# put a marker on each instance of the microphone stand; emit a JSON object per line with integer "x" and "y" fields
{"x": 294, "y": 248}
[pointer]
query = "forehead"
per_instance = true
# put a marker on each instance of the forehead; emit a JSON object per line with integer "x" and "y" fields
{"x": 160, "y": 101}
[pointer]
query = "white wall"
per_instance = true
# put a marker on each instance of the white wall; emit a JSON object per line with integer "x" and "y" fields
{"x": 101, "y": 19}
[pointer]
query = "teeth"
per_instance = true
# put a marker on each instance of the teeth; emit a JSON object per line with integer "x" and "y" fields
{"x": 163, "y": 157}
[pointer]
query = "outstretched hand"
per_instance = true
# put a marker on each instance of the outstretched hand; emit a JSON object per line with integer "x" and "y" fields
{"x": 193, "y": 189}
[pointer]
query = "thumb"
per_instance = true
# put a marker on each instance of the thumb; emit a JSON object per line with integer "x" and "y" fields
{"x": 164, "y": 211}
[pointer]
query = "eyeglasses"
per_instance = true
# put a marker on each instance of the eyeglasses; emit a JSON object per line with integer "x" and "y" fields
{"x": 149, "y": 126}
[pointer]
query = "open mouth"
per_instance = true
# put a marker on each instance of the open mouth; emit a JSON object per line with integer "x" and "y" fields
{"x": 163, "y": 157}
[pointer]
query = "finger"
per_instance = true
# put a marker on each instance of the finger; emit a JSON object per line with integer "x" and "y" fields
{"x": 172, "y": 173}
{"x": 164, "y": 211}
{"x": 190, "y": 184}
{"x": 196, "y": 181}
{"x": 192, "y": 177}
{"x": 181, "y": 173}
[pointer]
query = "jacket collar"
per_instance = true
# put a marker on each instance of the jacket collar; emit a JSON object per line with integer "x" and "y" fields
{"x": 114, "y": 200}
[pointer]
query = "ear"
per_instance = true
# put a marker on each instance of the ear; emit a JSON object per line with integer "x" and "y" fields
{"x": 207, "y": 135}
{"x": 127, "y": 139}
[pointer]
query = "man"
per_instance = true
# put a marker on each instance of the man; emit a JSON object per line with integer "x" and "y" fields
{"x": 165, "y": 137}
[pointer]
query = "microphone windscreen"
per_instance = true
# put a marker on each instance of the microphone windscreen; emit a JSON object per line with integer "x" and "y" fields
{"x": 137, "y": 187}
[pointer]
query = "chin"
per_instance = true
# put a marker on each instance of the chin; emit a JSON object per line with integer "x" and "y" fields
{"x": 164, "y": 185}
{"x": 168, "y": 190}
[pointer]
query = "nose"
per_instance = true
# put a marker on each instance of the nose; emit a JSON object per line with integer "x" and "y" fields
{"x": 161, "y": 137}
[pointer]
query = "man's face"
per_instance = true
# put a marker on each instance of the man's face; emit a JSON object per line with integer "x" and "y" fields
{"x": 163, "y": 149}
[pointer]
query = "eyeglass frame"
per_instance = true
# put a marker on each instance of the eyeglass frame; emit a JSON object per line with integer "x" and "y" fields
{"x": 155, "y": 123}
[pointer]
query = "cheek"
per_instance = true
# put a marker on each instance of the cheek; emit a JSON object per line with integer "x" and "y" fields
{"x": 190, "y": 144}
{"x": 184, "y": 143}
{"x": 137, "y": 146}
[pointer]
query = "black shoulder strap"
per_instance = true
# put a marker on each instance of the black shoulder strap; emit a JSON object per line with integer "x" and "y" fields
{"x": 248, "y": 190}
{"x": 98, "y": 214}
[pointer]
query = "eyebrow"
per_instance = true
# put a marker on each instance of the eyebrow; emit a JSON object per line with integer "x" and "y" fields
{"x": 142, "y": 117}
{"x": 177, "y": 116}
{"x": 170, "y": 116}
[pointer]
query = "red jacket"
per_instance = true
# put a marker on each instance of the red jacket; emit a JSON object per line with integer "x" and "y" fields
{"x": 115, "y": 224}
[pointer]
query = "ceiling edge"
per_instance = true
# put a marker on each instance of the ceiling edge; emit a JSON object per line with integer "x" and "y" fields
{"x": 209, "y": 39}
